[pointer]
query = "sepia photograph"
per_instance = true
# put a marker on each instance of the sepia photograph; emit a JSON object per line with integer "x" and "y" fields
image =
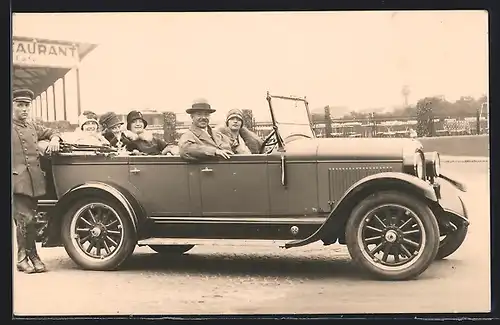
{"x": 250, "y": 163}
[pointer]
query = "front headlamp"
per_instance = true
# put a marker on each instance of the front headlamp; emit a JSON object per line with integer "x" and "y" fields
{"x": 418, "y": 165}
{"x": 433, "y": 164}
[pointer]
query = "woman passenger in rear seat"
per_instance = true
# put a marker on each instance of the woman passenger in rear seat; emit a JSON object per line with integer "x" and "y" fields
{"x": 88, "y": 132}
{"x": 112, "y": 130}
{"x": 243, "y": 141}
{"x": 144, "y": 141}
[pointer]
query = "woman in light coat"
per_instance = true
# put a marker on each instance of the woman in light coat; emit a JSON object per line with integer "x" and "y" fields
{"x": 243, "y": 141}
{"x": 88, "y": 132}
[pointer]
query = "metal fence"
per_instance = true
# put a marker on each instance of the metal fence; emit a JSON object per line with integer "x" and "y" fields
{"x": 388, "y": 127}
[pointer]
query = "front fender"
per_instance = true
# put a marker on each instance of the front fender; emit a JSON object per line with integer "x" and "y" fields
{"x": 450, "y": 203}
{"x": 335, "y": 221}
{"x": 133, "y": 207}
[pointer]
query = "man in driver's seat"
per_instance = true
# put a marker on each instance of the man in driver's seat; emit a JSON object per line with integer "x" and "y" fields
{"x": 200, "y": 141}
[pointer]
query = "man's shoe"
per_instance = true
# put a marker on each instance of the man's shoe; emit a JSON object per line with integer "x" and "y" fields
{"x": 25, "y": 267}
{"x": 38, "y": 264}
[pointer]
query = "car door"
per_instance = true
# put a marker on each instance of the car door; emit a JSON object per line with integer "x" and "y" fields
{"x": 163, "y": 185}
{"x": 236, "y": 187}
{"x": 298, "y": 197}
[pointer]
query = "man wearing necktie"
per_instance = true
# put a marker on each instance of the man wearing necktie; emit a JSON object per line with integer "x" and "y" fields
{"x": 200, "y": 141}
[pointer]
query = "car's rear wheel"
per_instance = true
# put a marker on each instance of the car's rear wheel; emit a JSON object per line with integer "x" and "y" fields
{"x": 452, "y": 241}
{"x": 171, "y": 249}
{"x": 98, "y": 234}
{"x": 392, "y": 235}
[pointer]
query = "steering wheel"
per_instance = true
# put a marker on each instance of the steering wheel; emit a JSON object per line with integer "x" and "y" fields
{"x": 269, "y": 143}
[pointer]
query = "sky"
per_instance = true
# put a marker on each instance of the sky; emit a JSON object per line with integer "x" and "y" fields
{"x": 357, "y": 60}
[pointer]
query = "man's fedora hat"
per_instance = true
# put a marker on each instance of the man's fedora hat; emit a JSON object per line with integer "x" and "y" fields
{"x": 23, "y": 95}
{"x": 200, "y": 105}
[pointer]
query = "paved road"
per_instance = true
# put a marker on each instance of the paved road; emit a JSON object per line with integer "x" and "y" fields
{"x": 249, "y": 280}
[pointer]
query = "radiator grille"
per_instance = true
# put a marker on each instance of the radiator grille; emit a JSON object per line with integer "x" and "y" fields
{"x": 341, "y": 178}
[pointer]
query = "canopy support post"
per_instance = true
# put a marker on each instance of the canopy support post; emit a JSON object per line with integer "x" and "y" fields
{"x": 54, "y": 101}
{"x": 38, "y": 107}
{"x": 34, "y": 109}
{"x": 64, "y": 97}
{"x": 46, "y": 105}
{"x": 79, "y": 103}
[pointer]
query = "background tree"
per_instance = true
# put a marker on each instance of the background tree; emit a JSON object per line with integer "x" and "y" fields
{"x": 465, "y": 106}
{"x": 328, "y": 122}
{"x": 248, "y": 119}
{"x": 425, "y": 116}
{"x": 169, "y": 127}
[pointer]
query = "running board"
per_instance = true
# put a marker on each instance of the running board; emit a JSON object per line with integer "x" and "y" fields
{"x": 212, "y": 242}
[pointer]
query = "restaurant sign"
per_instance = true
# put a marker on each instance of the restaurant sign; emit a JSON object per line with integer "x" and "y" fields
{"x": 44, "y": 54}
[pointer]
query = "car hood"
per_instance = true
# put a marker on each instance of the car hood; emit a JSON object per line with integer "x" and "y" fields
{"x": 353, "y": 148}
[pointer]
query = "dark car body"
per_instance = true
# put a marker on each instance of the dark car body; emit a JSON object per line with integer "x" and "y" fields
{"x": 300, "y": 193}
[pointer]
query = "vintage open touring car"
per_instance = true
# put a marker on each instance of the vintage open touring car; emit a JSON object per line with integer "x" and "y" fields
{"x": 386, "y": 199}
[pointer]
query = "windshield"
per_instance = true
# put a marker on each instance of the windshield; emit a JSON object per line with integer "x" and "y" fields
{"x": 291, "y": 117}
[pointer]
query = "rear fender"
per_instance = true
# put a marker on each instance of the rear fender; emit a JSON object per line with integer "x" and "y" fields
{"x": 134, "y": 209}
{"x": 334, "y": 225}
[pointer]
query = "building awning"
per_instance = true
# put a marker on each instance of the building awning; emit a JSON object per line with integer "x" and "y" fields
{"x": 39, "y": 63}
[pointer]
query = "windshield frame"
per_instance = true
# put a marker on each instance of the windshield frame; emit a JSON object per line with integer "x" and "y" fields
{"x": 276, "y": 123}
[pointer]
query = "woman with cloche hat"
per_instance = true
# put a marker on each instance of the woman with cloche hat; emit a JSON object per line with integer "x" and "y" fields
{"x": 142, "y": 140}
{"x": 88, "y": 131}
{"x": 243, "y": 141}
{"x": 112, "y": 130}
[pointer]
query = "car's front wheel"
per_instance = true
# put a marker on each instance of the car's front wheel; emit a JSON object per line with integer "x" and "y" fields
{"x": 171, "y": 249}
{"x": 392, "y": 235}
{"x": 98, "y": 234}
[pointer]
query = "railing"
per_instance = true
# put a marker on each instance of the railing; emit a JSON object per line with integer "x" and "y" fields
{"x": 388, "y": 127}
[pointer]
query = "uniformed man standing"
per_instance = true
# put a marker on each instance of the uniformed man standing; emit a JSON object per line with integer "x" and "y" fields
{"x": 27, "y": 177}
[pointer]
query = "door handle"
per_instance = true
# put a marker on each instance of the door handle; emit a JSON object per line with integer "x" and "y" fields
{"x": 135, "y": 171}
{"x": 207, "y": 170}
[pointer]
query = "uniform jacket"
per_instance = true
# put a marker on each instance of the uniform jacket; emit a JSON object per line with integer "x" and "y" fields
{"x": 28, "y": 177}
{"x": 252, "y": 141}
{"x": 196, "y": 144}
